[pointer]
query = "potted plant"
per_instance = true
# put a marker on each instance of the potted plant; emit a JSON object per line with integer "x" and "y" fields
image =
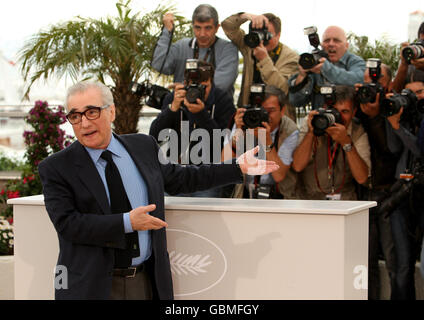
{"x": 45, "y": 138}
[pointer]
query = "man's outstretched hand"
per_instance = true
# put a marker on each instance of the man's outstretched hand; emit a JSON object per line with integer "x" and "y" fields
{"x": 253, "y": 166}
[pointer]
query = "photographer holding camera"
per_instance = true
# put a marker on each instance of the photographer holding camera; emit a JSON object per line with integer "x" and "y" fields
{"x": 333, "y": 150}
{"x": 265, "y": 59}
{"x": 222, "y": 54}
{"x": 276, "y": 133}
{"x": 404, "y": 112}
{"x": 377, "y": 78}
{"x": 411, "y": 60}
{"x": 197, "y": 104}
{"x": 340, "y": 67}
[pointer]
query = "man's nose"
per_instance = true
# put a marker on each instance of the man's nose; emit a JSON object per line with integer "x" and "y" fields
{"x": 202, "y": 32}
{"x": 84, "y": 121}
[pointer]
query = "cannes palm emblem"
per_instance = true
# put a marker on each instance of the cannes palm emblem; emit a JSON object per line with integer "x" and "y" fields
{"x": 188, "y": 264}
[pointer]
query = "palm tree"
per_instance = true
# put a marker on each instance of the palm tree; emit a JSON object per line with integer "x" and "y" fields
{"x": 382, "y": 49}
{"x": 114, "y": 50}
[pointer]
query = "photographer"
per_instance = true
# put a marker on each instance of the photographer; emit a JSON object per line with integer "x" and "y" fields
{"x": 383, "y": 167}
{"x": 205, "y": 45}
{"x": 401, "y": 137}
{"x": 328, "y": 162}
{"x": 421, "y": 146}
{"x": 408, "y": 68}
{"x": 278, "y": 141}
{"x": 269, "y": 62}
{"x": 340, "y": 68}
{"x": 214, "y": 111}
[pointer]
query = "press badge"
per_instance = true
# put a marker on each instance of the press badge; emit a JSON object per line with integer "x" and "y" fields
{"x": 335, "y": 196}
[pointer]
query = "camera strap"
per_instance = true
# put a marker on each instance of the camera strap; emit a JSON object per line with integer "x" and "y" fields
{"x": 332, "y": 155}
{"x": 211, "y": 51}
{"x": 167, "y": 51}
{"x": 257, "y": 178}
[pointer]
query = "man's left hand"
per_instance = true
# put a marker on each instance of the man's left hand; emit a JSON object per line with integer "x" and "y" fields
{"x": 194, "y": 107}
{"x": 253, "y": 166}
{"x": 338, "y": 133}
{"x": 317, "y": 68}
{"x": 418, "y": 63}
{"x": 260, "y": 52}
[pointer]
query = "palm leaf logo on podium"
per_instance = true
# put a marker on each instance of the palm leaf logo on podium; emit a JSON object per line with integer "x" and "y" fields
{"x": 186, "y": 264}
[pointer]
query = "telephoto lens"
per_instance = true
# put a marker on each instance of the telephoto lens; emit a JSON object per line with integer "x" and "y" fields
{"x": 195, "y": 91}
{"x": 324, "y": 119}
{"x": 255, "y": 36}
{"x": 413, "y": 51}
{"x": 391, "y": 106}
{"x": 254, "y": 116}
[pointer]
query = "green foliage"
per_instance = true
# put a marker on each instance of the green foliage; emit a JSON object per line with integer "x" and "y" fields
{"x": 382, "y": 49}
{"x": 10, "y": 164}
{"x": 113, "y": 49}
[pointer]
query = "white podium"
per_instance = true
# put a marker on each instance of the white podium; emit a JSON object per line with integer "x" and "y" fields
{"x": 229, "y": 248}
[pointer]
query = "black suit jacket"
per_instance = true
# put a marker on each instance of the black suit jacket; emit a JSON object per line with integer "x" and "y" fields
{"x": 88, "y": 233}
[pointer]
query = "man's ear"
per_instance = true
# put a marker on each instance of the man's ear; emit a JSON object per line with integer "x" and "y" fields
{"x": 112, "y": 112}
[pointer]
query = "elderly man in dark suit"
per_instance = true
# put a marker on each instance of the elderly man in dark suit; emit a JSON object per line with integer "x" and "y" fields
{"x": 105, "y": 197}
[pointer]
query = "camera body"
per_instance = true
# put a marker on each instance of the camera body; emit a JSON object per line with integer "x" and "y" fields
{"x": 310, "y": 60}
{"x": 255, "y": 114}
{"x": 403, "y": 188}
{"x": 255, "y": 36}
{"x": 406, "y": 99}
{"x": 193, "y": 77}
{"x": 368, "y": 92}
{"x": 413, "y": 51}
{"x": 324, "y": 119}
{"x": 154, "y": 94}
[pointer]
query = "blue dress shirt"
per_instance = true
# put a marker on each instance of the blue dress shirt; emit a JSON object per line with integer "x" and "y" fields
{"x": 134, "y": 185}
{"x": 348, "y": 71}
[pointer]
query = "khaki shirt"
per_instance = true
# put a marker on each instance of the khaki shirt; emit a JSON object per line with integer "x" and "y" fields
{"x": 276, "y": 75}
{"x": 342, "y": 178}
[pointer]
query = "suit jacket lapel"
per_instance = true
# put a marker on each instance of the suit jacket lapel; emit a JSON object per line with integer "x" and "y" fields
{"x": 89, "y": 176}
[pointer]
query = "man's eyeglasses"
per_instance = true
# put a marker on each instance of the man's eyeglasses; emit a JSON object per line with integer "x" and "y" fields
{"x": 92, "y": 113}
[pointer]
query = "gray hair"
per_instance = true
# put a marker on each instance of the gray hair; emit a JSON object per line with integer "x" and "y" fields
{"x": 204, "y": 13}
{"x": 274, "y": 91}
{"x": 83, "y": 86}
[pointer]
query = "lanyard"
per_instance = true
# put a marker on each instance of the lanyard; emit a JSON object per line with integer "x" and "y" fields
{"x": 331, "y": 166}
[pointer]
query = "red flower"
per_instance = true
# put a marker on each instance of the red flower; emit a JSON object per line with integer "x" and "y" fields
{"x": 12, "y": 194}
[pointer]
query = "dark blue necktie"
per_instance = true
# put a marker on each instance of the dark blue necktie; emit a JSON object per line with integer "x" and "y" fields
{"x": 119, "y": 203}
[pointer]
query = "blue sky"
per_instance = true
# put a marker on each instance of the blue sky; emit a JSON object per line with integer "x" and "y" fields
{"x": 19, "y": 19}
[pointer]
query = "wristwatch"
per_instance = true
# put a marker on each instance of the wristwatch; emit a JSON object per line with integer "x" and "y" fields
{"x": 347, "y": 147}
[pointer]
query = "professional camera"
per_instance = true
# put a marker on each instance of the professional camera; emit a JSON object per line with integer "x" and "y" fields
{"x": 368, "y": 92}
{"x": 310, "y": 60}
{"x": 154, "y": 94}
{"x": 403, "y": 187}
{"x": 255, "y": 36}
{"x": 406, "y": 99}
{"x": 324, "y": 119}
{"x": 413, "y": 51}
{"x": 255, "y": 114}
{"x": 194, "y": 75}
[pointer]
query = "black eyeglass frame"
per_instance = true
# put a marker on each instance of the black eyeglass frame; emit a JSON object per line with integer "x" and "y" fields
{"x": 89, "y": 108}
